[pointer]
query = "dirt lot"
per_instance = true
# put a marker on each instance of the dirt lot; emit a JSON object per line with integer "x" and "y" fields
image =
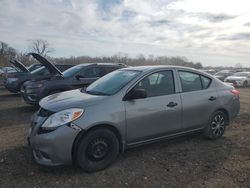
{"x": 190, "y": 161}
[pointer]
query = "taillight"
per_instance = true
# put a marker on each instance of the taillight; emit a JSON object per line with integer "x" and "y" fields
{"x": 235, "y": 92}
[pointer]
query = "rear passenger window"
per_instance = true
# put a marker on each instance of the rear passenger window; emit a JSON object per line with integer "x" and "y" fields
{"x": 205, "y": 82}
{"x": 92, "y": 72}
{"x": 190, "y": 81}
{"x": 106, "y": 70}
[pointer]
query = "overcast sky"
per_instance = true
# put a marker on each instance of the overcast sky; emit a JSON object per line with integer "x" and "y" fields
{"x": 214, "y": 32}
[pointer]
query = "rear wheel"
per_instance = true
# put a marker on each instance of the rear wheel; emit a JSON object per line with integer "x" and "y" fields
{"x": 97, "y": 150}
{"x": 216, "y": 125}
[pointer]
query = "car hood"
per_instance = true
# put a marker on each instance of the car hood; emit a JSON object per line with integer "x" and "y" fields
{"x": 18, "y": 66}
{"x": 236, "y": 78}
{"x": 69, "y": 99}
{"x": 51, "y": 68}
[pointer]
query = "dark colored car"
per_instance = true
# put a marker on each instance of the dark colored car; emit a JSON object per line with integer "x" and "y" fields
{"x": 18, "y": 68}
{"x": 78, "y": 76}
{"x": 14, "y": 81}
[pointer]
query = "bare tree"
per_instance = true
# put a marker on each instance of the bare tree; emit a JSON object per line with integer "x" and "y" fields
{"x": 238, "y": 65}
{"x": 41, "y": 47}
{"x": 6, "y": 53}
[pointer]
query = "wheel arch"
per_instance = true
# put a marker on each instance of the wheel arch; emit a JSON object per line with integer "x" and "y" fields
{"x": 82, "y": 133}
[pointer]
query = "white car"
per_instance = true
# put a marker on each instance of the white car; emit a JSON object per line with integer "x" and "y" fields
{"x": 239, "y": 79}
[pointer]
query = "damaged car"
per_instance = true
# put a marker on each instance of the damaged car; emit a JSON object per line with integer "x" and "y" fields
{"x": 127, "y": 108}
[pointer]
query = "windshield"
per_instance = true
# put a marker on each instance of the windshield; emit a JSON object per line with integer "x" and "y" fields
{"x": 241, "y": 74}
{"x": 112, "y": 82}
{"x": 33, "y": 67}
{"x": 72, "y": 71}
{"x": 38, "y": 70}
{"x": 222, "y": 73}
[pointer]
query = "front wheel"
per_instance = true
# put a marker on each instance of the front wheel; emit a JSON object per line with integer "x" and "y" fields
{"x": 97, "y": 150}
{"x": 216, "y": 125}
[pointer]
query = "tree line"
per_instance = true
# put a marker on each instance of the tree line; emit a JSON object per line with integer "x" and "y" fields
{"x": 43, "y": 47}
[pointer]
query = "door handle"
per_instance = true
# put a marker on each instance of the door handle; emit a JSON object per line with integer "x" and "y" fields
{"x": 172, "y": 104}
{"x": 212, "y": 98}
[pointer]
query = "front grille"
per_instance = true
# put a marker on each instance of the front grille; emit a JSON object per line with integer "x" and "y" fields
{"x": 44, "y": 113}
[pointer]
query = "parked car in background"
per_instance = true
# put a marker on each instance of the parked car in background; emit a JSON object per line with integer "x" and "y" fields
{"x": 209, "y": 71}
{"x": 78, "y": 76}
{"x": 18, "y": 68}
{"x": 221, "y": 75}
{"x": 14, "y": 81}
{"x": 127, "y": 108}
{"x": 6, "y": 70}
{"x": 239, "y": 79}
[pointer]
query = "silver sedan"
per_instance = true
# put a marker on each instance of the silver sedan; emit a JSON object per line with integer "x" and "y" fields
{"x": 127, "y": 108}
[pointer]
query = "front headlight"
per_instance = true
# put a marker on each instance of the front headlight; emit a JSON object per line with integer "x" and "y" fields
{"x": 62, "y": 118}
{"x": 10, "y": 80}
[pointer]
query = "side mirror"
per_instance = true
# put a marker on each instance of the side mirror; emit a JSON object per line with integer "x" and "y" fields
{"x": 78, "y": 77}
{"x": 135, "y": 94}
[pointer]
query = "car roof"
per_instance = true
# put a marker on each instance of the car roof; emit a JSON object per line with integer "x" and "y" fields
{"x": 102, "y": 63}
{"x": 155, "y": 67}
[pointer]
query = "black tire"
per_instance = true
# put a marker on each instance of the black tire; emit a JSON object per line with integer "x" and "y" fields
{"x": 97, "y": 150}
{"x": 216, "y": 125}
{"x": 245, "y": 84}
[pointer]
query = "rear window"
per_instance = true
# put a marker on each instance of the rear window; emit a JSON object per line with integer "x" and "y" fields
{"x": 205, "y": 82}
{"x": 193, "y": 82}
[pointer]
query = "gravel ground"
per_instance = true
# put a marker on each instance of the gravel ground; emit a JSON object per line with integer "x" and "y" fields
{"x": 189, "y": 161}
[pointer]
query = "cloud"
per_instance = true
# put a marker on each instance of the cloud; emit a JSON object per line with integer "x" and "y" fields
{"x": 238, "y": 36}
{"x": 216, "y": 18}
{"x": 247, "y": 24}
{"x": 191, "y": 28}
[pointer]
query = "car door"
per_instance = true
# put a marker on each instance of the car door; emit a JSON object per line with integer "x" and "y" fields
{"x": 157, "y": 115}
{"x": 86, "y": 76}
{"x": 199, "y": 99}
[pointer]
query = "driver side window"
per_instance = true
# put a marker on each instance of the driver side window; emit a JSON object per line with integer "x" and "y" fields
{"x": 158, "y": 84}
